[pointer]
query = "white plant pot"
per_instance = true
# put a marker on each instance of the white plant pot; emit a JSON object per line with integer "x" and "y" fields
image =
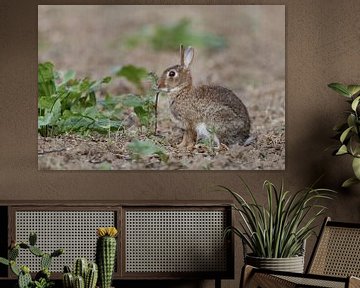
{"x": 291, "y": 264}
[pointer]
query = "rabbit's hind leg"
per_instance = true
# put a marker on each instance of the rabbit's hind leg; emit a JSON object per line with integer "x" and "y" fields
{"x": 189, "y": 139}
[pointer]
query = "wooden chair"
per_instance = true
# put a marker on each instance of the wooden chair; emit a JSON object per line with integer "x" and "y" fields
{"x": 335, "y": 262}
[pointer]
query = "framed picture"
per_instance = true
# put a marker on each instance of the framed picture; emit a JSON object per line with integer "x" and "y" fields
{"x": 161, "y": 87}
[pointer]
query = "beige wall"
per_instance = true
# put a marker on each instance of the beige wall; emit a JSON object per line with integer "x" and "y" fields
{"x": 323, "y": 46}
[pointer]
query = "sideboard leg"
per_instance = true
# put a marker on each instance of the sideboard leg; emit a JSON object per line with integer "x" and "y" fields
{"x": 217, "y": 283}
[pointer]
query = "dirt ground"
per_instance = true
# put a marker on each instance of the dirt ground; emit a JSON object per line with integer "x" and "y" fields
{"x": 89, "y": 40}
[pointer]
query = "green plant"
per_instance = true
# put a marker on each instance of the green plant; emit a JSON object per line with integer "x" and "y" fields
{"x": 67, "y": 104}
{"x": 144, "y": 105}
{"x": 279, "y": 229}
{"x": 43, "y": 283}
{"x": 140, "y": 149}
{"x": 79, "y": 282}
{"x": 91, "y": 275}
{"x": 106, "y": 254}
{"x": 133, "y": 74}
{"x": 80, "y": 267}
{"x": 85, "y": 275}
{"x": 349, "y": 132}
{"x": 169, "y": 37}
{"x": 42, "y": 278}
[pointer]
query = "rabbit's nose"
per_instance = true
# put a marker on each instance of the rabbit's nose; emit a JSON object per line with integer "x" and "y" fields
{"x": 160, "y": 84}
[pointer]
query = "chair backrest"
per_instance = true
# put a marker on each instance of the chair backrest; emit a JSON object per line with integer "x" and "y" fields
{"x": 337, "y": 251}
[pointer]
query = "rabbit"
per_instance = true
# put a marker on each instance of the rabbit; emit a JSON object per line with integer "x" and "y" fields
{"x": 203, "y": 111}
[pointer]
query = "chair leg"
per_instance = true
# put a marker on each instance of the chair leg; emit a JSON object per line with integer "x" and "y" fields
{"x": 246, "y": 273}
{"x": 354, "y": 282}
{"x": 250, "y": 278}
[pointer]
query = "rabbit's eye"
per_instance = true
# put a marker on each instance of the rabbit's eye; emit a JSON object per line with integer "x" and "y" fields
{"x": 171, "y": 73}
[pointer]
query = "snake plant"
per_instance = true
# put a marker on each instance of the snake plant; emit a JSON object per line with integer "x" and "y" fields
{"x": 279, "y": 228}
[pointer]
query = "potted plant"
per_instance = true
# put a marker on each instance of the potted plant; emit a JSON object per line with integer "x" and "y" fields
{"x": 349, "y": 131}
{"x": 276, "y": 233}
{"x": 87, "y": 274}
{"x": 106, "y": 254}
{"x": 84, "y": 274}
{"x": 42, "y": 278}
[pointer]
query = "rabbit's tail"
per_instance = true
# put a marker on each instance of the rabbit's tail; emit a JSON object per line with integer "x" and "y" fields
{"x": 250, "y": 140}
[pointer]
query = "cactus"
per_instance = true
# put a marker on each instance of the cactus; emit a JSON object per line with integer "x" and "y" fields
{"x": 24, "y": 246}
{"x": 24, "y": 280}
{"x": 44, "y": 273}
{"x": 80, "y": 267}
{"x": 87, "y": 272}
{"x": 13, "y": 253}
{"x": 45, "y": 261}
{"x": 67, "y": 269}
{"x": 105, "y": 254}
{"x": 91, "y": 276}
{"x": 23, "y": 273}
{"x": 32, "y": 239}
{"x": 68, "y": 280}
{"x": 36, "y": 251}
{"x": 79, "y": 282}
{"x": 14, "y": 268}
{"x": 57, "y": 253}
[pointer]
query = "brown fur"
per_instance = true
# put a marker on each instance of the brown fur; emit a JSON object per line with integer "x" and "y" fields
{"x": 219, "y": 108}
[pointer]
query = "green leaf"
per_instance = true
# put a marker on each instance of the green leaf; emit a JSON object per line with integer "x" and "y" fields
{"x": 70, "y": 74}
{"x": 353, "y": 89}
{"x": 46, "y": 102}
{"x": 46, "y": 80}
{"x": 146, "y": 148}
{"x": 55, "y": 112}
{"x": 355, "y": 103}
{"x": 110, "y": 102}
{"x": 345, "y": 134}
{"x": 340, "y": 88}
{"x": 354, "y": 145}
{"x": 96, "y": 85}
{"x": 44, "y": 120}
{"x": 351, "y": 121}
{"x": 106, "y": 80}
{"x": 342, "y": 150}
{"x": 356, "y": 167}
{"x": 133, "y": 101}
{"x": 340, "y": 127}
{"x": 351, "y": 181}
{"x": 133, "y": 74}
{"x": 4, "y": 261}
{"x": 143, "y": 115}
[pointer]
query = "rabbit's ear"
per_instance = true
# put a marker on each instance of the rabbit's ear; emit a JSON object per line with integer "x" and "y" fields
{"x": 181, "y": 55}
{"x": 188, "y": 56}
